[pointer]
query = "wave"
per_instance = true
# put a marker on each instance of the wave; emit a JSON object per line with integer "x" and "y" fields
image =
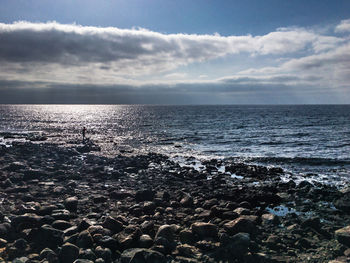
{"x": 312, "y": 161}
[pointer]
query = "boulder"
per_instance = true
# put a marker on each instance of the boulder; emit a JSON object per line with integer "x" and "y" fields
{"x": 241, "y": 224}
{"x": 343, "y": 235}
{"x": 204, "y": 230}
{"x": 68, "y": 253}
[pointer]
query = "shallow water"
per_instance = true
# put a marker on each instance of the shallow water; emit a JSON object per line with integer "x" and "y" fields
{"x": 303, "y": 139}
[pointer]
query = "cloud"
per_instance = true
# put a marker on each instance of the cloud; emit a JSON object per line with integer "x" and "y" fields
{"x": 112, "y": 65}
{"x": 344, "y": 26}
{"x": 53, "y": 47}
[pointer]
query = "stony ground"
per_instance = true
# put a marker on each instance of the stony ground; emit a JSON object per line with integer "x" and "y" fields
{"x": 59, "y": 205}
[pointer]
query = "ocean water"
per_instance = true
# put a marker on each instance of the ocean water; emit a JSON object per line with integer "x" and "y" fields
{"x": 302, "y": 139}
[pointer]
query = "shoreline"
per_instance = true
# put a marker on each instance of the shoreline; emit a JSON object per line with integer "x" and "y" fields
{"x": 147, "y": 207}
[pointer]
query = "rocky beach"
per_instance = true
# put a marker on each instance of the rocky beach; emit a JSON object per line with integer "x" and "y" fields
{"x": 69, "y": 204}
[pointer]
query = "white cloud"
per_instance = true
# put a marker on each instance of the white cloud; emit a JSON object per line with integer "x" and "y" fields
{"x": 344, "y": 26}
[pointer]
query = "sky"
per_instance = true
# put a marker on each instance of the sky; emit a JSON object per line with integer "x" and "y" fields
{"x": 175, "y": 52}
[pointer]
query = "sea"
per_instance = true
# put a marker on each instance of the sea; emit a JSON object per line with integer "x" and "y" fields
{"x": 306, "y": 140}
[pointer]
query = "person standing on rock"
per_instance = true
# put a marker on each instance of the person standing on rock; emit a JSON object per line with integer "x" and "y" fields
{"x": 84, "y": 132}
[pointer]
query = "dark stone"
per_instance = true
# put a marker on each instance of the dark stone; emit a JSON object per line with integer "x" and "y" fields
{"x": 84, "y": 239}
{"x": 71, "y": 203}
{"x": 144, "y": 195}
{"x": 204, "y": 230}
{"x": 112, "y": 224}
{"x": 68, "y": 253}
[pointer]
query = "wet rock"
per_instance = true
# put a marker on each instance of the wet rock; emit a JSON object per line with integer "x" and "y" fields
{"x": 99, "y": 199}
{"x": 68, "y": 253}
{"x": 241, "y": 224}
{"x": 142, "y": 255}
{"x": 204, "y": 230}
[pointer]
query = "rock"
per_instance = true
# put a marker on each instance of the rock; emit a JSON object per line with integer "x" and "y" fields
{"x": 26, "y": 221}
{"x": 87, "y": 254}
{"x": 49, "y": 255}
{"x": 21, "y": 260}
{"x": 187, "y": 251}
{"x": 343, "y": 235}
{"x": 104, "y": 253}
{"x": 138, "y": 255}
{"x": 204, "y": 230}
{"x": 21, "y": 244}
{"x": 314, "y": 223}
{"x": 3, "y": 243}
{"x": 241, "y": 224}
{"x": 61, "y": 224}
{"x": 108, "y": 242}
{"x": 186, "y": 237}
{"x": 187, "y": 201}
{"x": 269, "y": 219}
{"x": 84, "y": 239}
{"x": 83, "y": 261}
{"x": 68, "y": 253}
{"x": 112, "y": 224}
{"x": 71, "y": 204}
{"x": 166, "y": 231}
{"x": 144, "y": 195}
{"x": 47, "y": 236}
{"x": 238, "y": 245}
{"x": 242, "y": 211}
{"x": 99, "y": 199}
{"x": 4, "y": 230}
{"x": 145, "y": 241}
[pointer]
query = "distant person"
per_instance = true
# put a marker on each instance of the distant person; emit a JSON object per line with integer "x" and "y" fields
{"x": 84, "y": 132}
